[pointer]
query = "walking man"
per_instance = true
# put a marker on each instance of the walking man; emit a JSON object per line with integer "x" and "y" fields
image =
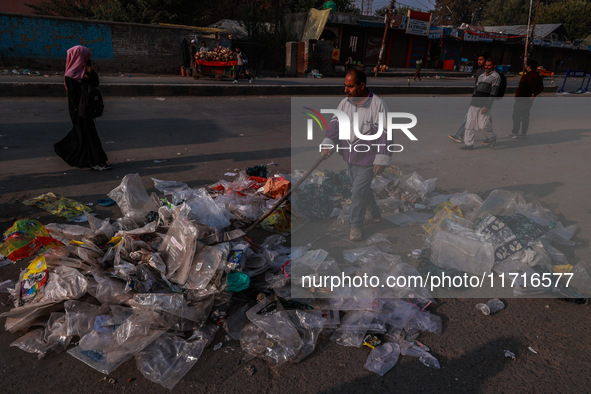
{"x": 363, "y": 164}
{"x": 479, "y": 113}
{"x": 459, "y": 135}
{"x": 530, "y": 85}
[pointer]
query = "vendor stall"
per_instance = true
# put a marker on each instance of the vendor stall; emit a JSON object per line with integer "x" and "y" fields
{"x": 216, "y": 69}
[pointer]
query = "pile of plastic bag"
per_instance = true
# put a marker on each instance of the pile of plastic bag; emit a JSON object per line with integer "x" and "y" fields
{"x": 157, "y": 283}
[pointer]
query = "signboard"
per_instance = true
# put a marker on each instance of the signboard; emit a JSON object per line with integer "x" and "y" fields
{"x": 418, "y": 23}
{"x": 471, "y": 37}
{"x": 435, "y": 33}
{"x": 398, "y": 21}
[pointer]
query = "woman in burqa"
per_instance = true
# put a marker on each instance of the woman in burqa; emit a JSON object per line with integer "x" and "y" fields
{"x": 81, "y": 147}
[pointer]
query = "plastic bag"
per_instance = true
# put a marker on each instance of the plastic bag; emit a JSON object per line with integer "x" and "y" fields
{"x": 424, "y": 321}
{"x": 64, "y": 283}
{"x": 410, "y": 349}
{"x": 132, "y": 198}
{"x": 383, "y": 358}
{"x": 206, "y": 263}
{"x": 106, "y": 350}
{"x": 32, "y": 280}
{"x": 32, "y": 342}
{"x": 353, "y": 327}
{"x": 204, "y": 210}
{"x": 170, "y": 187}
{"x": 178, "y": 249}
{"x": 67, "y": 232}
{"x": 108, "y": 290}
{"x": 168, "y": 359}
{"x": 80, "y": 317}
{"x": 56, "y": 332}
{"x": 26, "y": 238}
{"x": 276, "y": 187}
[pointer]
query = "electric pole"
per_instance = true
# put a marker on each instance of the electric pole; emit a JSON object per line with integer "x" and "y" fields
{"x": 387, "y": 20}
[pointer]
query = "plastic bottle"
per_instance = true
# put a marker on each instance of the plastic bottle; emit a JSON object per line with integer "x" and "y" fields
{"x": 491, "y": 307}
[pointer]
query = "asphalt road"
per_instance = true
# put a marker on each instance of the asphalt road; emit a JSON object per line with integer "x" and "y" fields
{"x": 197, "y": 140}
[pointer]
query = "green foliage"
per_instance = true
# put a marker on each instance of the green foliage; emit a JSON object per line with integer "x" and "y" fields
{"x": 136, "y": 11}
{"x": 456, "y": 12}
{"x": 573, "y": 14}
{"x": 401, "y": 10}
{"x": 507, "y": 12}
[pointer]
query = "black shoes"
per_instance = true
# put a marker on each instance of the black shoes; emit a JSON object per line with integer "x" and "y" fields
{"x": 491, "y": 142}
{"x": 466, "y": 147}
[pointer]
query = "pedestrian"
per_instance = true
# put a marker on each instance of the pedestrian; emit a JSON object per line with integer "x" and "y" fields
{"x": 241, "y": 60}
{"x": 364, "y": 164}
{"x": 418, "y": 65}
{"x": 459, "y": 135}
{"x": 204, "y": 47}
{"x": 193, "y": 60}
{"x": 82, "y": 146}
{"x": 479, "y": 114}
{"x": 530, "y": 85}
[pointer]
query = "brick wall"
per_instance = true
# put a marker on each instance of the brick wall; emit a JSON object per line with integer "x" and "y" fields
{"x": 41, "y": 43}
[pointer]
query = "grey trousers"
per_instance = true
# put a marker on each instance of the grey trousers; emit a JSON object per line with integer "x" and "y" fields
{"x": 362, "y": 198}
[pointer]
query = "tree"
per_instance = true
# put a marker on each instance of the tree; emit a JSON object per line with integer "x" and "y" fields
{"x": 456, "y": 12}
{"x": 401, "y": 10}
{"x": 573, "y": 14}
{"x": 507, "y": 12}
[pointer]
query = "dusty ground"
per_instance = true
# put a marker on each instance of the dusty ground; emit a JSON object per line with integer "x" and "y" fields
{"x": 216, "y": 135}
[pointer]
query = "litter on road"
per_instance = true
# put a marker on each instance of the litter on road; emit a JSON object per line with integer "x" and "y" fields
{"x": 158, "y": 283}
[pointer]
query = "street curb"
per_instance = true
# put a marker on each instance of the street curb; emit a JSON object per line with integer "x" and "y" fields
{"x": 25, "y": 89}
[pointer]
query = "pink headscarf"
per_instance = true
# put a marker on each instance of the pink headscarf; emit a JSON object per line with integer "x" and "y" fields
{"x": 76, "y": 62}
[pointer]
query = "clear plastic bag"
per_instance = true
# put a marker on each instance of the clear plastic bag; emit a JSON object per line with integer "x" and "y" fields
{"x": 204, "y": 210}
{"x": 56, "y": 332}
{"x": 80, "y": 317}
{"x": 108, "y": 349}
{"x": 383, "y": 358}
{"x": 108, "y": 290}
{"x": 168, "y": 359}
{"x": 410, "y": 349}
{"x": 206, "y": 263}
{"x": 64, "y": 283}
{"x": 178, "y": 249}
{"x": 132, "y": 198}
{"x": 66, "y": 232}
{"x": 23, "y": 317}
{"x": 424, "y": 321}
{"x": 170, "y": 187}
{"x": 32, "y": 342}
{"x": 353, "y": 327}
{"x": 416, "y": 183}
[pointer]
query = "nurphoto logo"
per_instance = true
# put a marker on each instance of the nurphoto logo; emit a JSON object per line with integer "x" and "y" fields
{"x": 363, "y": 132}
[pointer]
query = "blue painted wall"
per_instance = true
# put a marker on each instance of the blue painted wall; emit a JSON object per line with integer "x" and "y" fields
{"x": 51, "y": 38}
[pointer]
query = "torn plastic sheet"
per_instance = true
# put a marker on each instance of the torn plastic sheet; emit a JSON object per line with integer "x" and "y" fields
{"x": 59, "y": 206}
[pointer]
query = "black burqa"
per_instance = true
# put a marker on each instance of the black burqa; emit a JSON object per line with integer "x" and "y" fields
{"x": 185, "y": 54}
{"x": 82, "y": 146}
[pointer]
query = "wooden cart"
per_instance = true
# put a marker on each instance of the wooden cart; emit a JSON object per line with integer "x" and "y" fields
{"x": 218, "y": 70}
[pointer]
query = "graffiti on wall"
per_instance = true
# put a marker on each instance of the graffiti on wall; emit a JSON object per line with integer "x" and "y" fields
{"x": 48, "y": 38}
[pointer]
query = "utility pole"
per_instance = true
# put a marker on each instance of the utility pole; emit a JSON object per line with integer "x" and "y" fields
{"x": 530, "y": 33}
{"x": 527, "y": 38}
{"x": 387, "y": 20}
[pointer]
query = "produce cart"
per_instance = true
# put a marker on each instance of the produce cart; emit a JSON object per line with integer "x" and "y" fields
{"x": 218, "y": 70}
